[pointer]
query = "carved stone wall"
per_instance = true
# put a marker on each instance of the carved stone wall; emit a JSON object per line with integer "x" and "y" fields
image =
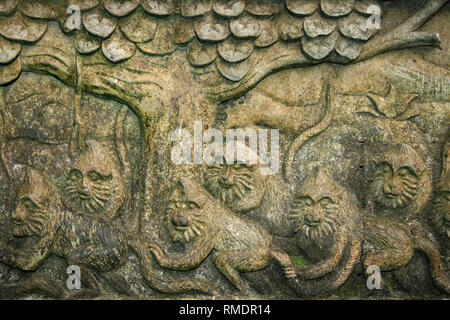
{"x": 96, "y": 98}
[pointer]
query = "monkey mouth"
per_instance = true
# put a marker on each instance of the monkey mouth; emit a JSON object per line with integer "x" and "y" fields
{"x": 225, "y": 184}
{"x": 312, "y": 224}
{"x": 391, "y": 195}
{"x": 84, "y": 195}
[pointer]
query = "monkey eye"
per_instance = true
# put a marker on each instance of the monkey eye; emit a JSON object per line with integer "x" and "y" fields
{"x": 94, "y": 176}
{"x": 28, "y": 203}
{"x": 325, "y": 202}
{"x": 386, "y": 168}
{"x": 192, "y": 205}
{"x": 304, "y": 202}
{"x": 405, "y": 172}
{"x": 76, "y": 175}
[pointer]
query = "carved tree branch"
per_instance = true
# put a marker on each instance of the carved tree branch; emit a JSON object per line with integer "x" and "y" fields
{"x": 404, "y": 36}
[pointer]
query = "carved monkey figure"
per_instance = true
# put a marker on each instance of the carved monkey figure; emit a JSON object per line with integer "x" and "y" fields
{"x": 88, "y": 241}
{"x": 196, "y": 219}
{"x": 327, "y": 222}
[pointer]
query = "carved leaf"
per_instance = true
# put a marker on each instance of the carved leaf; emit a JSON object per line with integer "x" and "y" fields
{"x": 194, "y": 8}
{"x": 233, "y": 72}
{"x": 158, "y": 7}
{"x": 348, "y": 48}
{"x": 245, "y": 27}
{"x": 290, "y": 28}
{"x": 163, "y": 41}
{"x": 316, "y": 25}
{"x": 336, "y": 8}
{"x": 84, "y": 4}
{"x": 86, "y": 43}
{"x": 8, "y": 6}
{"x": 183, "y": 31}
{"x": 362, "y": 6}
{"x": 120, "y": 8}
{"x": 211, "y": 28}
{"x": 229, "y": 8}
{"x": 98, "y": 23}
{"x": 10, "y": 72}
{"x": 302, "y": 7}
{"x": 8, "y": 50}
{"x": 268, "y": 36}
{"x": 200, "y": 54}
{"x": 232, "y": 50}
{"x": 320, "y": 47}
{"x": 354, "y": 26}
{"x": 138, "y": 27}
{"x": 117, "y": 48}
{"x": 43, "y": 9}
{"x": 21, "y": 28}
{"x": 263, "y": 7}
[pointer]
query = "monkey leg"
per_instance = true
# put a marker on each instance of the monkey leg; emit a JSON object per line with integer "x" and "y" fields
{"x": 91, "y": 288}
{"x": 99, "y": 258}
{"x": 119, "y": 283}
{"x": 285, "y": 261}
{"x": 388, "y": 259}
{"x": 229, "y": 262}
{"x": 35, "y": 284}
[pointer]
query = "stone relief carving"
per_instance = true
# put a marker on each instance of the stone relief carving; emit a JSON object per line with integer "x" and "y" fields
{"x": 88, "y": 100}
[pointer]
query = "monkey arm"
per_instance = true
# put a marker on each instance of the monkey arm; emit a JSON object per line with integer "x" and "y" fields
{"x": 28, "y": 260}
{"x": 195, "y": 255}
{"x": 325, "y": 266}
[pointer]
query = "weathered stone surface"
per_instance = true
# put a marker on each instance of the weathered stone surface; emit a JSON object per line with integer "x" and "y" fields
{"x": 302, "y": 7}
{"x": 114, "y": 152}
{"x": 269, "y": 34}
{"x": 85, "y": 43}
{"x": 194, "y": 8}
{"x": 316, "y": 25}
{"x": 229, "y": 8}
{"x": 98, "y": 23}
{"x": 210, "y": 28}
{"x": 158, "y": 7}
{"x": 138, "y": 27}
{"x": 8, "y": 6}
{"x": 8, "y": 50}
{"x": 118, "y": 48}
{"x": 235, "y": 51}
{"x": 120, "y": 8}
{"x": 200, "y": 55}
{"x": 21, "y": 28}
{"x": 245, "y": 27}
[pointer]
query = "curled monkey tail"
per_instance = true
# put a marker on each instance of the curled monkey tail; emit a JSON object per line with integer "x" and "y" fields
{"x": 325, "y": 287}
{"x": 440, "y": 278}
{"x": 165, "y": 286}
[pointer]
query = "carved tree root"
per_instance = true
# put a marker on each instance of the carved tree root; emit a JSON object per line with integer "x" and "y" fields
{"x": 404, "y": 36}
{"x": 324, "y": 287}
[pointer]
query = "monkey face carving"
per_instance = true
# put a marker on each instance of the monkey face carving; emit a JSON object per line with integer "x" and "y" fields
{"x": 395, "y": 188}
{"x": 397, "y": 176}
{"x": 31, "y": 213}
{"x": 317, "y": 210}
{"x": 239, "y": 186}
{"x": 184, "y": 218}
{"x": 93, "y": 183}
